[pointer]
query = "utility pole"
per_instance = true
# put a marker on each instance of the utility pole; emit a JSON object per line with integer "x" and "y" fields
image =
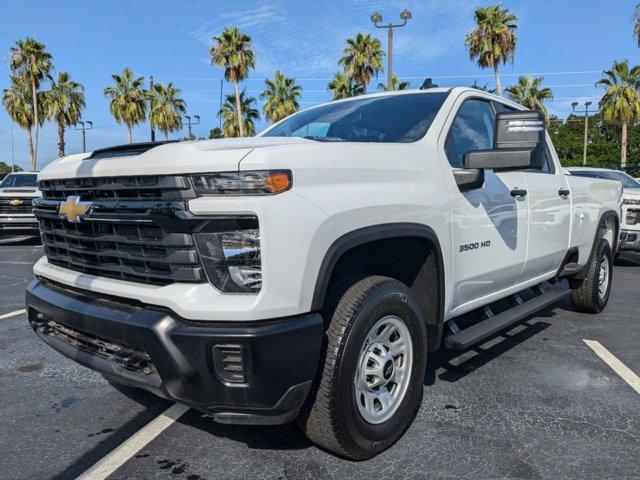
{"x": 13, "y": 162}
{"x": 86, "y": 125}
{"x": 189, "y": 123}
{"x": 586, "y": 128}
{"x": 376, "y": 18}
{"x": 153, "y": 132}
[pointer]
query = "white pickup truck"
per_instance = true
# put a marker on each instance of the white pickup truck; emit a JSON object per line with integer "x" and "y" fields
{"x": 307, "y": 272}
{"x": 17, "y": 191}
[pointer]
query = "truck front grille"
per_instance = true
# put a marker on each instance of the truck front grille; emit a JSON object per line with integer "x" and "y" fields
{"x": 16, "y": 205}
{"x": 136, "y": 229}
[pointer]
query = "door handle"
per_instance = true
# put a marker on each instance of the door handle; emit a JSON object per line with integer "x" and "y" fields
{"x": 518, "y": 192}
{"x": 563, "y": 192}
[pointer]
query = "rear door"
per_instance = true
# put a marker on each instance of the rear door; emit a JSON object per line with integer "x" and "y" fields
{"x": 489, "y": 224}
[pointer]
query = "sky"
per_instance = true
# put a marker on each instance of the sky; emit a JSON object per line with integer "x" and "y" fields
{"x": 569, "y": 42}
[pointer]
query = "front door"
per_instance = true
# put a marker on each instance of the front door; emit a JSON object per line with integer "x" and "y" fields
{"x": 489, "y": 224}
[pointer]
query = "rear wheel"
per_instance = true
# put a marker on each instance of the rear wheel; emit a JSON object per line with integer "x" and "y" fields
{"x": 371, "y": 382}
{"x": 592, "y": 294}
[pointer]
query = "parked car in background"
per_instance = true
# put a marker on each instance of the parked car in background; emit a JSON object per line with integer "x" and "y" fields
{"x": 17, "y": 191}
{"x": 630, "y": 216}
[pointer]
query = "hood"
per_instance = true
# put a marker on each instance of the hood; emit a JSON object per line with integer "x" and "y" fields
{"x": 20, "y": 192}
{"x": 218, "y": 155}
{"x": 631, "y": 193}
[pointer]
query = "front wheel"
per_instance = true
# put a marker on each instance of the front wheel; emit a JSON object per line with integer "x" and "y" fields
{"x": 592, "y": 294}
{"x": 372, "y": 379}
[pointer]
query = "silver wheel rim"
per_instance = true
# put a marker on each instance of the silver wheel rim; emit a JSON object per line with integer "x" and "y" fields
{"x": 384, "y": 369}
{"x": 603, "y": 277}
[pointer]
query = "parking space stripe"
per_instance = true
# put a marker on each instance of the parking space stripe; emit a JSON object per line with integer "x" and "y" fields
{"x": 117, "y": 457}
{"x": 617, "y": 366}
{"x": 12, "y": 314}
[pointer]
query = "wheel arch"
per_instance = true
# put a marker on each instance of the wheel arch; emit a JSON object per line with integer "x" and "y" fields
{"x": 369, "y": 236}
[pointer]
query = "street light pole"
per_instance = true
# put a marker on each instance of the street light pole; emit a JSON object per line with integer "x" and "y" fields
{"x": 586, "y": 128}
{"x": 153, "y": 132}
{"x": 189, "y": 123}
{"x": 86, "y": 125}
{"x": 376, "y": 18}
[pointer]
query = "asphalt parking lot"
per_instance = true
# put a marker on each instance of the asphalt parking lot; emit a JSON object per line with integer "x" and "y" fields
{"x": 536, "y": 402}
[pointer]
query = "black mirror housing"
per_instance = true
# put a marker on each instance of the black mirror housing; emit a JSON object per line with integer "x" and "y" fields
{"x": 519, "y": 143}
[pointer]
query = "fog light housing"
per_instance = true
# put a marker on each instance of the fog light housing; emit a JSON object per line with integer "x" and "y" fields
{"x": 228, "y": 362}
{"x": 231, "y": 259}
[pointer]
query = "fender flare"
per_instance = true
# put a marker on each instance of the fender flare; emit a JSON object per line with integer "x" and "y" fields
{"x": 370, "y": 234}
{"x": 616, "y": 235}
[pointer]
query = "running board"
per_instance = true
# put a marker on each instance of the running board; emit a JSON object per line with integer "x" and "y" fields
{"x": 492, "y": 325}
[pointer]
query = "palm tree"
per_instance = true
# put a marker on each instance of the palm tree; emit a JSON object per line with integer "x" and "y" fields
{"x": 166, "y": 108}
{"x": 396, "y": 84}
{"x": 18, "y": 102}
{"x": 362, "y": 59}
{"x": 65, "y": 102}
{"x": 343, "y": 86}
{"x": 229, "y": 115}
{"x": 128, "y": 99}
{"x": 484, "y": 88}
{"x": 31, "y": 61}
{"x": 621, "y": 101}
{"x": 493, "y": 39}
{"x": 281, "y": 95}
{"x": 233, "y": 51}
{"x": 530, "y": 93}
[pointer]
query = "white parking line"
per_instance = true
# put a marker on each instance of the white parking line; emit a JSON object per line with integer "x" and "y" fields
{"x": 12, "y": 314}
{"x": 617, "y": 366}
{"x": 116, "y": 458}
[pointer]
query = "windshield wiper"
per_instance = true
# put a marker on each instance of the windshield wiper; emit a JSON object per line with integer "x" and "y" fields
{"x": 318, "y": 138}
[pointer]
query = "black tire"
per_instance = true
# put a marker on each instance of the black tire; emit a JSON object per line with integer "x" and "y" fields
{"x": 331, "y": 418}
{"x": 586, "y": 295}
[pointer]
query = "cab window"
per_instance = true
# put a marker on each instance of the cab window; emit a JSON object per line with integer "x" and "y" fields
{"x": 472, "y": 129}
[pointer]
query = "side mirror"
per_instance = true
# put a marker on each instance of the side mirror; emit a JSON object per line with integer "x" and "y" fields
{"x": 519, "y": 142}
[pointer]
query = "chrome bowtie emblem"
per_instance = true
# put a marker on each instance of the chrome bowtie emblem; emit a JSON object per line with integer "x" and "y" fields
{"x": 73, "y": 209}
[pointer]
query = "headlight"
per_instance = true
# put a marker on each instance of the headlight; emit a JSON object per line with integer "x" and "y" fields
{"x": 629, "y": 201}
{"x": 256, "y": 182}
{"x": 232, "y": 259}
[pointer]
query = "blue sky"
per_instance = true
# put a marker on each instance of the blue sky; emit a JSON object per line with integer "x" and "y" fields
{"x": 568, "y": 41}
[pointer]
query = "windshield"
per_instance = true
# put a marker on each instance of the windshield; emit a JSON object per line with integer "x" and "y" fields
{"x": 13, "y": 180}
{"x": 627, "y": 180}
{"x": 394, "y": 118}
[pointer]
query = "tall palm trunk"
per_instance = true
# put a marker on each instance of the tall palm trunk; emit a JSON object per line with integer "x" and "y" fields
{"x": 130, "y": 137}
{"x": 239, "y": 109}
{"x": 34, "y": 158}
{"x": 623, "y": 149}
{"x": 60, "y": 140}
{"x": 166, "y": 135}
{"x": 498, "y": 83}
{"x": 30, "y": 143}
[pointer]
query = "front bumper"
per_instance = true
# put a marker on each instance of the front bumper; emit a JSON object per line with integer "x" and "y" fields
{"x": 156, "y": 350}
{"x": 629, "y": 240}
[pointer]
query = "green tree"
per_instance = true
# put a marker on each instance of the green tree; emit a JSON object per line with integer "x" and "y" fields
{"x": 362, "y": 59}
{"x": 64, "y": 104}
{"x": 229, "y": 115}
{"x": 530, "y": 93}
{"x": 233, "y": 51}
{"x": 166, "y": 108}
{"x": 493, "y": 39}
{"x": 128, "y": 99}
{"x": 343, "y": 86}
{"x": 396, "y": 84}
{"x": 30, "y": 61}
{"x": 621, "y": 101}
{"x": 215, "y": 133}
{"x": 6, "y": 170}
{"x": 18, "y": 102}
{"x": 282, "y": 95}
